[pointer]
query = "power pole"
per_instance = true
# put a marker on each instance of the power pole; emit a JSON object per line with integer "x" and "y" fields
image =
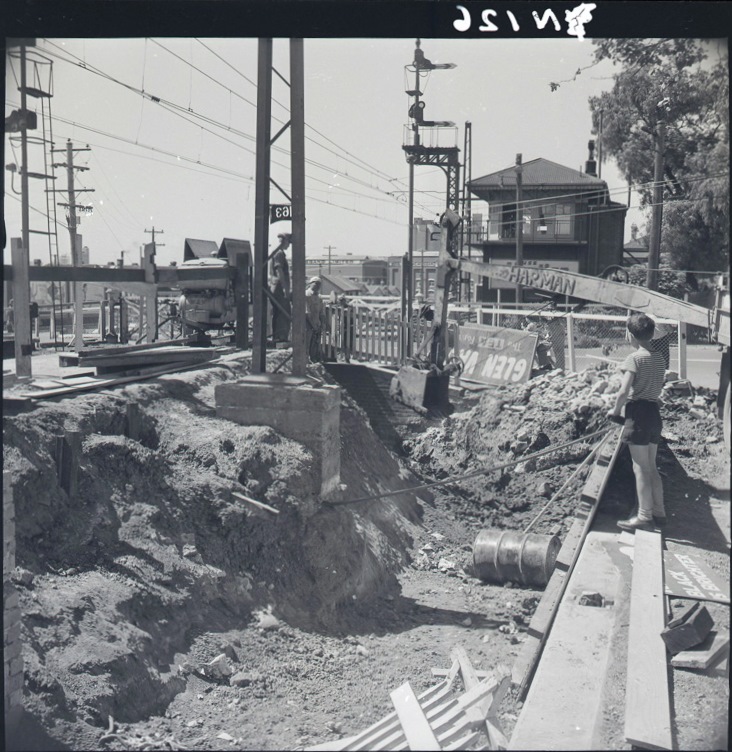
{"x": 261, "y": 204}
{"x": 519, "y": 224}
{"x": 466, "y": 229}
{"x": 297, "y": 171}
{"x": 156, "y": 244}
{"x": 151, "y": 297}
{"x": 21, "y": 256}
{"x": 74, "y": 237}
{"x": 654, "y": 246}
{"x": 329, "y": 248}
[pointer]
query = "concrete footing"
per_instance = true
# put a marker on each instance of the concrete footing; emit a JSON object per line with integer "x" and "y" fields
{"x": 296, "y": 409}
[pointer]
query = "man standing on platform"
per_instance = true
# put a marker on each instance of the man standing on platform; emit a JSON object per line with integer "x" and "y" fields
{"x": 315, "y": 318}
{"x": 281, "y": 305}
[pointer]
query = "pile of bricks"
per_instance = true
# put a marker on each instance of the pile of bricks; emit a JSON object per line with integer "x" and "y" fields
{"x": 12, "y": 657}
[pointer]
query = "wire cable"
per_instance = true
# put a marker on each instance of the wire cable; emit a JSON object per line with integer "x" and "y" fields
{"x": 475, "y": 474}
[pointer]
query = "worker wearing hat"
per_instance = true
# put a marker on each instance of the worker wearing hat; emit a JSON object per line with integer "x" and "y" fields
{"x": 314, "y": 318}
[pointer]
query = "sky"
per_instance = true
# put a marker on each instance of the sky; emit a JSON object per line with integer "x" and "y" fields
{"x": 185, "y": 164}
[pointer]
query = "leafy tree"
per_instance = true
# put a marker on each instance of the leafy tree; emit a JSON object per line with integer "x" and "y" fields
{"x": 669, "y": 80}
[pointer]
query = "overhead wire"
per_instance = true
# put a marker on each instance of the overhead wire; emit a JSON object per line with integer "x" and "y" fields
{"x": 366, "y": 165}
{"x": 160, "y": 100}
{"x": 183, "y": 112}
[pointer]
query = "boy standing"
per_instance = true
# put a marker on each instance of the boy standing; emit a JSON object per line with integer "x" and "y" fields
{"x": 643, "y": 378}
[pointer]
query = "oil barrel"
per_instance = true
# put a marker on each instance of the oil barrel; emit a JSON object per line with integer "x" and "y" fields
{"x": 503, "y": 555}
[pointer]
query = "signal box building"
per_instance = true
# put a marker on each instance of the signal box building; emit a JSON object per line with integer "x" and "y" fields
{"x": 568, "y": 219}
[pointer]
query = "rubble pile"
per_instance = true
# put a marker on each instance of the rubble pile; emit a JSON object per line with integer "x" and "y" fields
{"x": 510, "y": 422}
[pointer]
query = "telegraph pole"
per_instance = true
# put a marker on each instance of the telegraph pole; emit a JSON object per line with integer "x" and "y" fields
{"x": 155, "y": 244}
{"x": 151, "y": 297}
{"x": 519, "y": 225}
{"x": 20, "y": 256}
{"x": 75, "y": 239}
{"x": 654, "y": 246}
{"x": 329, "y": 248}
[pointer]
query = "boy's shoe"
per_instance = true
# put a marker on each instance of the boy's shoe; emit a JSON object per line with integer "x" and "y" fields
{"x": 635, "y": 523}
{"x": 659, "y": 521}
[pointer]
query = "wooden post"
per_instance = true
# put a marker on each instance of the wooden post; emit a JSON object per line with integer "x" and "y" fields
{"x": 102, "y": 321}
{"x": 570, "y": 342}
{"x": 682, "y": 349}
{"x": 21, "y": 309}
{"x": 79, "y": 295}
{"x": 241, "y": 296}
{"x": 151, "y": 314}
{"x": 68, "y": 449}
{"x": 133, "y": 421}
{"x": 151, "y": 298}
{"x": 124, "y": 334}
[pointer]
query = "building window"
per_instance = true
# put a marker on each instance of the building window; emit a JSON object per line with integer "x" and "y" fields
{"x": 564, "y": 220}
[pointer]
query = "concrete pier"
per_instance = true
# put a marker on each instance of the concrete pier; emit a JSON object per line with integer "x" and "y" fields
{"x": 296, "y": 409}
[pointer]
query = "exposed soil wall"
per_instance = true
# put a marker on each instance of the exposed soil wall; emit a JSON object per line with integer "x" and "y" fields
{"x": 154, "y": 545}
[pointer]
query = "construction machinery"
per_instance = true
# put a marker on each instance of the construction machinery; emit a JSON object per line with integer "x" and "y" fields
{"x": 210, "y": 303}
{"x": 423, "y": 382}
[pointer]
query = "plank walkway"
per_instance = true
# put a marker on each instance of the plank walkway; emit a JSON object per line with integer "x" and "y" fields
{"x": 541, "y": 622}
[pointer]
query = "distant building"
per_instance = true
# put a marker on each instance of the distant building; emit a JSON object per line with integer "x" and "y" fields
{"x": 568, "y": 219}
{"x": 335, "y": 284}
{"x": 366, "y": 270}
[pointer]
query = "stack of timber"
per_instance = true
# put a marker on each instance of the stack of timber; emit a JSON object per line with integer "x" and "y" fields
{"x": 437, "y": 719}
{"x": 126, "y": 359}
{"x": 114, "y": 366}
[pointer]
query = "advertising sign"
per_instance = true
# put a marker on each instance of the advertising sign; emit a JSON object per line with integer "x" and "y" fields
{"x": 492, "y": 355}
{"x": 687, "y": 577}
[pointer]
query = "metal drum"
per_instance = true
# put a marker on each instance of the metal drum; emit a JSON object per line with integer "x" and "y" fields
{"x": 503, "y": 555}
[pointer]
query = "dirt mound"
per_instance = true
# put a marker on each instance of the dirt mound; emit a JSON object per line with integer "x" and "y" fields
{"x": 154, "y": 548}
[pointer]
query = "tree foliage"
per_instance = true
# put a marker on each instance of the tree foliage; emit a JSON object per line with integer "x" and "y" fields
{"x": 672, "y": 80}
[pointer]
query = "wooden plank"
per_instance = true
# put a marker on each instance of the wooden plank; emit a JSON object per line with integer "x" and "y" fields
{"x": 464, "y": 742}
{"x": 440, "y": 672}
{"x": 414, "y": 723}
{"x": 704, "y": 655}
{"x": 333, "y": 746}
{"x": 543, "y": 617}
{"x": 257, "y": 505}
{"x": 488, "y": 708}
{"x": 149, "y": 358}
{"x": 539, "y": 626}
{"x": 106, "y": 383}
{"x": 647, "y": 713}
{"x": 565, "y": 700}
{"x": 387, "y": 725}
{"x": 467, "y": 700}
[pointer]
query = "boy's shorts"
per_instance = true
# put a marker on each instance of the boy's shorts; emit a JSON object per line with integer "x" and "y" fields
{"x": 642, "y": 423}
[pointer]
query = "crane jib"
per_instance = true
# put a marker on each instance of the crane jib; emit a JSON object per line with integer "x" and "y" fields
{"x": 543, "y": 279}
{"x": 597, "y": 290}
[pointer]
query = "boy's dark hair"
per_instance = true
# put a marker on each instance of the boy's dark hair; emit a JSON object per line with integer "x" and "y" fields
{"x": 641, "y": 326}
